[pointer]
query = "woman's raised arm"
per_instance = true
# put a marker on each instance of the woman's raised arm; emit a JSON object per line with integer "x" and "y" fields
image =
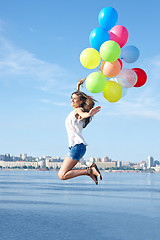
{"x": 92, "y": 112}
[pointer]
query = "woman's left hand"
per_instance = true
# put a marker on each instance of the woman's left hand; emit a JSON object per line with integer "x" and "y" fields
{"x": 94, "y": 110}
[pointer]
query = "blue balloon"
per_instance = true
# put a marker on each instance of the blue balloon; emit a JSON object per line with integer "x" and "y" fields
{"x": 98, "y": 36}
{"x": 130, "y": 54}
{"x": 124, "y": 91}
{"x": 108, "y": 17}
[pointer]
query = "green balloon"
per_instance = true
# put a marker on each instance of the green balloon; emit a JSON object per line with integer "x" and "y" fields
{"x": 96, "y": 82}
{"x": 110, "y": 51}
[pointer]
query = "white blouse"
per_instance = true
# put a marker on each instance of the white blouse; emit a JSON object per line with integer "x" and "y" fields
{"x": 74, "y": 128}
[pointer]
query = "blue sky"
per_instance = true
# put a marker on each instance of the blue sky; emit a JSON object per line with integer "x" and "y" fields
{"x": 40, "y": 45}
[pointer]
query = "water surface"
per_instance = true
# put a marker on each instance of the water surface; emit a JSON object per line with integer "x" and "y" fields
{"x": 37, "y": 205}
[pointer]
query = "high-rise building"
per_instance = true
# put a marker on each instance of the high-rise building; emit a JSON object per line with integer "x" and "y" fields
{"x": 119, "y": 164}
{"x": 92, "y": 160}
{"x": 97, "y": 159}
{"x": 156, "y": 162}
{"x": 150, "y": 162}
{"x": 105, "y": 159}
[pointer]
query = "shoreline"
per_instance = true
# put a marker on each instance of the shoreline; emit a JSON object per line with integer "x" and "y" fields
{"x": 54, "y": 170}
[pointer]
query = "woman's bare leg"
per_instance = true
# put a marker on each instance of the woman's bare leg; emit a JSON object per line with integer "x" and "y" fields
{"x": 66, "y": 171}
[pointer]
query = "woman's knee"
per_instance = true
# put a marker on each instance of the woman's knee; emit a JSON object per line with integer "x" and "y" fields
{"x": 61, "y": 175}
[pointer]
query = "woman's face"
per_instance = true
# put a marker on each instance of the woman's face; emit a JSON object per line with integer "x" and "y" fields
{"x": 75, "y": 101}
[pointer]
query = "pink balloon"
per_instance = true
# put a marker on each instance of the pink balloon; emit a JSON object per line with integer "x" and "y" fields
{"x": 119, "y": 34}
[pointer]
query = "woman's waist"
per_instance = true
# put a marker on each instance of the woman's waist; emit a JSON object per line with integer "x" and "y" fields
{"x": 76, "y": 140}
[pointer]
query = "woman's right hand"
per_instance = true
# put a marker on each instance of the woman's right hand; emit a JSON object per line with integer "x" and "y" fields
{"x": 81, "y": 81}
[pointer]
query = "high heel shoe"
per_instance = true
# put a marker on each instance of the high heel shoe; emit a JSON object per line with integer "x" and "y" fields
{"x": 89, "y": 173}
{"x": 97, "y": 169}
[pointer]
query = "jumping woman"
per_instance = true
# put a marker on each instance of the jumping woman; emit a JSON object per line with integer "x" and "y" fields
{"x": 77, "y": 120}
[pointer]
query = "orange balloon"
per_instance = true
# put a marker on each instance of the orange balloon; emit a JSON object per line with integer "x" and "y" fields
{"x": 102, "y": 65}
{"x": 111, "y": 69}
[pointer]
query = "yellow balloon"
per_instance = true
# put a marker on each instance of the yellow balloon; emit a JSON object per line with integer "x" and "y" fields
{"x": 112, "y": 92}
{"x": 90, "y": 58}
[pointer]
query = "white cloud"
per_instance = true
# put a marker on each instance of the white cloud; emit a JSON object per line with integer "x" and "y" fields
{"x": 46, "y": 101}
{"x": 20, "y": 65}
{"x": 146, "y": 106}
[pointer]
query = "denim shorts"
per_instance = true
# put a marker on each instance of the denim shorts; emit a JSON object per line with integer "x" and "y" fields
{"x": 77, "y": 151}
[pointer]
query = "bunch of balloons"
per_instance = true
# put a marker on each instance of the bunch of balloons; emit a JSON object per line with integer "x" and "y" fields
{"x": 107, "y": 50}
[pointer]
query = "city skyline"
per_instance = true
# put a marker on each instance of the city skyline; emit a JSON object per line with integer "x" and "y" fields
{"x": 40, "y": 45}
{"x": 105, "y": 158}
{"x": 45, "y": 163}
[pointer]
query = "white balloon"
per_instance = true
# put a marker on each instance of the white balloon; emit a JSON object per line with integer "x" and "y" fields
{"x": 127, "y": 78}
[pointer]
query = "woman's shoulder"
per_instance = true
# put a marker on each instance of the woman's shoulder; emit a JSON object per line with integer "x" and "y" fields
{"x": 78, "y": 109}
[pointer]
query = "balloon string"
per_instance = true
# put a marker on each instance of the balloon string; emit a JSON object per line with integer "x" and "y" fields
{"x": 99, "y": 69}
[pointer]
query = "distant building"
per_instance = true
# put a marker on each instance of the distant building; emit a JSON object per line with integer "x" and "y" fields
{"x": 157, "y": 168}
{"x": 91, "y": 160}
{"x": 150, "y": 162}
{"x": 106, "y": 159}
{"x": 23, "y": 156}
{"x": 53, "y": 165}
{"x": 104, "y": 165}
{"x": 7, "y": 157}
{"x": 143, "y": 165}
{"x": 119, "y": 164}
{"x": 156, "y": 162}
{"x": 135, "y": 166}
{"x": 126, "y": 163}
{"x": 97, "y": 159}
{"x": 17, "y": 164}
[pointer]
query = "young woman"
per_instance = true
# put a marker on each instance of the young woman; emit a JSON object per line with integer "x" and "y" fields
{"x": 77, "y": 120}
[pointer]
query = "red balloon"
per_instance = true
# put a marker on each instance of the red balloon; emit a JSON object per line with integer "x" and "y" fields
{"x": 141, "y": 77}
{"x": 120, "y": 62}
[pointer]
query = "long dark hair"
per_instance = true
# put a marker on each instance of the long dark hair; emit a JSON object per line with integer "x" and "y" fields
{"x": 87, "y": 104}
